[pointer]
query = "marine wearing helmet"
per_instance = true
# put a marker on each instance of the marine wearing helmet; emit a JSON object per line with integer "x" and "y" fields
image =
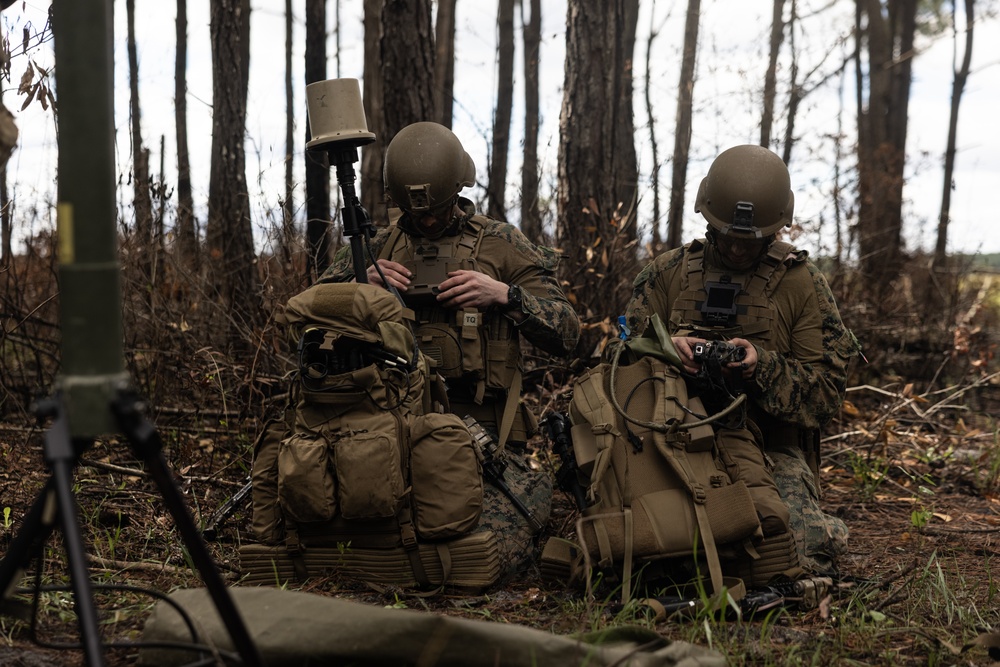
{"x": 425, "y": 169}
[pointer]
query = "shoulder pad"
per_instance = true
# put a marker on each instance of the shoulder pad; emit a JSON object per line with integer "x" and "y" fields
{"x": 542, "y": 256}
{"x": 663, "y": 262}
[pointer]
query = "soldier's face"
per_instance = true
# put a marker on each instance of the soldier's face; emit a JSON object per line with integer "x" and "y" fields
{"x": 435, "y": 222}
{"x": 739, "y": 253}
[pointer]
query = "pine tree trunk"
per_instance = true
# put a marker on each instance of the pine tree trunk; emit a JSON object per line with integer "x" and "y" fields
{"x": 597, "y": 162}
{"x": 142, "y": 206}
{"x": 370, "y": 186}
{"x": 770, "y": 77}
{"x": 288, "y": 205}
{"x": 682, "y": 133}
{"x": 444, "y": 60}
{"x": 317, "y": 162}
{"x": 531, "y": 220}
{"x": 957, "y": 88}
{"x": 187, "y": 234}
{"x": 497, "y": 190}
{"x": 231, "y": 257}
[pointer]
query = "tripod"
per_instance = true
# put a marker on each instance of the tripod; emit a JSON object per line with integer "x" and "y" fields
{"x": 56, "y": 503}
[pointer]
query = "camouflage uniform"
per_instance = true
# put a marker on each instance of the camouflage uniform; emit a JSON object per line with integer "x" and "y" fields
{"x": 504, "y": 254}
{"x": 508, "y": 256}
{"x": 797, "y": 386}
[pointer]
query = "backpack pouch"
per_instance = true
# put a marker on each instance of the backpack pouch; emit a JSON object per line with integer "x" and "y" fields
{"x": 306, "y": 484}
{"x": 446, "y": 477}
{"x": 441, "y": 344}
{"x": 266, "y": 512}
{"x": 369, "y": 475}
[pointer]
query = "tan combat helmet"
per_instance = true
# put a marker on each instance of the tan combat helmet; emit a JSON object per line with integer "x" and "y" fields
{"x": 747, "y": 193}
{"x": 426, "y": 167}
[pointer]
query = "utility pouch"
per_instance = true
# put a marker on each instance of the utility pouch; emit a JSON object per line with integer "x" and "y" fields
{"x": 371, "y": 480}
{"x": 306, "y": 482}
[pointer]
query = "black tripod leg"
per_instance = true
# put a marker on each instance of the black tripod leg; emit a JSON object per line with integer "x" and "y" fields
{"x": 57, "y": 503}
{"x": 86, "y": 612}
{"x": 35, "y": 528}
{"x": 146, "y": 445}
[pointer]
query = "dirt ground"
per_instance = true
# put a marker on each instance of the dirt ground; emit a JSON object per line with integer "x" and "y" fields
{"x": 919, "y": 493}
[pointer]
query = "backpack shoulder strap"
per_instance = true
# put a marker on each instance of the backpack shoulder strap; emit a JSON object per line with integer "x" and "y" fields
{"x": 472, "y": 236}
{"x": 395, "y": 233}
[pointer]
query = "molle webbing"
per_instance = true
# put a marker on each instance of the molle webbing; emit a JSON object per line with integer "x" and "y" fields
{"x": 754, "y": 314}
{"x": 474, "y": 562}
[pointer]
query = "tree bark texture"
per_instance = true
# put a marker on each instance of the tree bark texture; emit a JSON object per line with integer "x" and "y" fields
{"x": 8, "y": 139}
{"x": 444, "y": 60}
{"x": 957, "y": 88}
{"x": 318, "y": 221}
{"x": 771, "y": 76}
{"x": 496, "y": 193}
{"x": 288, "y": 204}
{"x": 597, "y": 160}
{"x": 187, "y": 233}
{"x": 882, "y": 127}
{"x": 531, "y": 219}
{"x": 142, "y": 206}
{"x": 654, "y": 176}
{"x": 371, "y": 189}
{"x": 231, "y": 254}
{"x": 683, "y": 124}
{"x": 407, "y": 51}
{"x": 795, "y": 89}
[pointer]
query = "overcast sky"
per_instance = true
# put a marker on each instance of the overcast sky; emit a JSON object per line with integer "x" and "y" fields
{"x": 731, "y": 63}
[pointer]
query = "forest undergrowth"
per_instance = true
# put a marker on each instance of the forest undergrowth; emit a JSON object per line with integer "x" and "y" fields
{"x": 911, "y": 463}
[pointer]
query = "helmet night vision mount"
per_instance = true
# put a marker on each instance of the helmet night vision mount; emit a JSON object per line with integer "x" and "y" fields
{"x": 338, "y": 127}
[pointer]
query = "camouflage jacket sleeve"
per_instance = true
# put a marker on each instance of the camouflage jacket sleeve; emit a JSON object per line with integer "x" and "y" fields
{"x": 654, "y": 290}
{"x": 806, "y": 385}
{"x": 552, "y": 324}
{"x": 341, "y": 269}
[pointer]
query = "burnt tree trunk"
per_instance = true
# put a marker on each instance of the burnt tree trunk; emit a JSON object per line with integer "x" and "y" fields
{"x": 882, "y": 124}
{"x": 497, "y": 190}
{"x": 317, "y": 162}
{"x": 444, "y": 60}
{"x": 682, "y": 131}
{"x": 371, "y": 190}
{"x": 187, "y": 232}
{"x": 957, "y": 88}
{"x": 656, "y": 240}
{"x": 531, "y": 220}
{"x": 407, "y": 52}
{"x": 597, "y": 163}
{"x": 771, "y": 76}
{"x": 231, "y": 257}
{"x": 288, "y": 204}
{"x": 143, "y": 247}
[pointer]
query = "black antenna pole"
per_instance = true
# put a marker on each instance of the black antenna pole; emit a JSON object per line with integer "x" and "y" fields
{"x": 358, "y": 227}
{"x": 337, "y": 121}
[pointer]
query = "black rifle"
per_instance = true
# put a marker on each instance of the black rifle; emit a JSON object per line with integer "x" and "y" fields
{"x": 557, "y": 432}
{"x": 211, "y": 530}
{"x": 494, "y": 467}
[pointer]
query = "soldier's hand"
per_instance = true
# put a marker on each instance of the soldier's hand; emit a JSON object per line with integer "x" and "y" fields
{"x": 471, "y": 289}
{"x": 749, "y": 363}
{"x": 396, "y": 274}
{"x": 685, "y": 345}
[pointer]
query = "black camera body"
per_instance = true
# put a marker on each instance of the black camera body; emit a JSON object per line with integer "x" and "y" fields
{"x": 718, "y": 351}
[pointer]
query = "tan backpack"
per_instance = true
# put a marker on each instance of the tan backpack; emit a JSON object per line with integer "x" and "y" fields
{"x": 663, "y": 482}
{"x": 361, "y": 476}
